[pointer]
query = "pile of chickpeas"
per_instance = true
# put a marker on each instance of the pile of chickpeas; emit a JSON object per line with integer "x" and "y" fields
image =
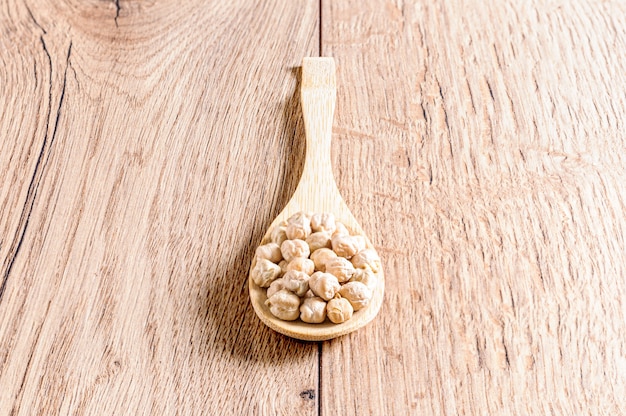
{"x": 314, "y": 269}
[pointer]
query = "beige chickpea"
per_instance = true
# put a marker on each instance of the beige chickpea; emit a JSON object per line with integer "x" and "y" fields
{"x": 321, "y": 256}
{"x": 341, "y": 268}
{"x": 301, "y": 264}
{"x": 340, "y": 229}
{"x": 275, "y": 286}
{"x": 360, "y": 242}
{"x": 264, "y": 272}
{"x": 296, "y": 282}
{"x": 357, "y": 294}
{"x": 278, "y": 234}
{"x": 294, "y": 248}
{"x": 313, "y": 310}
{"x": 298, "y": 226}
{"x": 295, "y": 231}
{"x": 283, "y": 267}
{"x": 323, "y": 222}
{"x": 309, "y": 294}
{"x": 320, "y": 239}
{"x": 365, "y": 259}
{"x": 365, "y": 276}
{"x": 284, "y": 305}
{"x": 300, "y": 217}
{"x": 346, "y": 245}
{"x": 324, "y": 285}
{"x": 339, "y": 310}
{"x": 270, "y": 251}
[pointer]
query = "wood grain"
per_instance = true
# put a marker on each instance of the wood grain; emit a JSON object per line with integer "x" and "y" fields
{"x": 483, "y": 150}
{"x": 135, "y": 179}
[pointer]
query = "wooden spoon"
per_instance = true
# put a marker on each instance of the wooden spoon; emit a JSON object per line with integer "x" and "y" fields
{"x": 317, "y": 192}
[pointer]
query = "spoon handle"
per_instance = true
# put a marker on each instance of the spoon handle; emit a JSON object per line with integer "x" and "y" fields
{"x": 318, "y": 94}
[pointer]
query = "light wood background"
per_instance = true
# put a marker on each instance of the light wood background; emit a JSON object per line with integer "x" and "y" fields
{"x": 146, "y": 146}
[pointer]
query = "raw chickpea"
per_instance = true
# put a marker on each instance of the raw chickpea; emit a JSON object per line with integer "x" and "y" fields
{"x": 302, "y": 265}
{"x": 284, "y": 305}
{"x": 345, "y": 245}
{"x": 365, "y": 259}
{"x": 283, "y": 267}
{"x": 323, "y": 222}
{"x": 275, "y": 286}
{"x": 270, "y": 251}
{"x": 300, "y": 217}
{"x": 298, "y": 226}
{"x": 297, "y": 282}
{"x": 324, "y": 285}
{"x": 313, "y": 310}
{"x": 365, "y": 276}
{"x": 360, "y": 242}
{"x": 321, "y": 256}
{"x": 278, "y": 234}
{"x": 341, "y": 268}
{"x": 297, "y": 232}
{"x": 320, "y": 239}
{"x": 264, "y": 272}
{"x": 294, "y": 248}
{"x": 357, "y": 294}
{"x": 340, "y": 229}
{"x": 339, "y": 310}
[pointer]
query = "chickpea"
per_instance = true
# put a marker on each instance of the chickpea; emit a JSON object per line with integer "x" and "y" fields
{"x": 340, "y": 229}
{"x": 302, "y": 265}
{"x": 283, "y": 267}
{"x": 339, "y": 310}
{"x": 264, "y": 272}
{"x": 360, "y": 242}
{"x": 297, "y": 282}
{"x": 345, "y": 245}
{"x": 365, "y": 276}
{"x": 284, "y": 305}
{"x": 321, "y": 256}
{"x": 300, "y": 217}
{"x": 320, "y": 239}
{"x": 365, "y": 259}
{"x": 294, "y": 248}
{"x": 275, "y": 286}
{"x": 324, "y": 285}
{"x": 341, "y": 268}
{"x": 357, "y": 294}
{"x": 313, "y": 310}
{"x": 323, "y": 222}
{"x": 270, "y": 251}
{"x": 278, "y": 234}
{"x": 298, "y": 226}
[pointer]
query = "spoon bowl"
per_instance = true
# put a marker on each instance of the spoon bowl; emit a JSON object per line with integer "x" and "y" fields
{"x": 317, "y": 192}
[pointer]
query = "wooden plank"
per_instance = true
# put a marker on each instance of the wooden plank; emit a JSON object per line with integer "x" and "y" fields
{"x": 145, "y": 147}
{"x": 483, "y": 149}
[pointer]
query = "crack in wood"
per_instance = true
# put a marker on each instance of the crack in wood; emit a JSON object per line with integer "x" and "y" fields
{"x": 32, "y": 17}
{"x": 35, "y": 180}
{"x": 319, "y": 377}
{"x": 319, "y": 22}
{"x": 117, "y": 11}
{"x": 445, "y": 112}
{"x": 490, "y": 91}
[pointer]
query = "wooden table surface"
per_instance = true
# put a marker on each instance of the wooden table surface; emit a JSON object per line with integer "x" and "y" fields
{"x": 145, "y": 146}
